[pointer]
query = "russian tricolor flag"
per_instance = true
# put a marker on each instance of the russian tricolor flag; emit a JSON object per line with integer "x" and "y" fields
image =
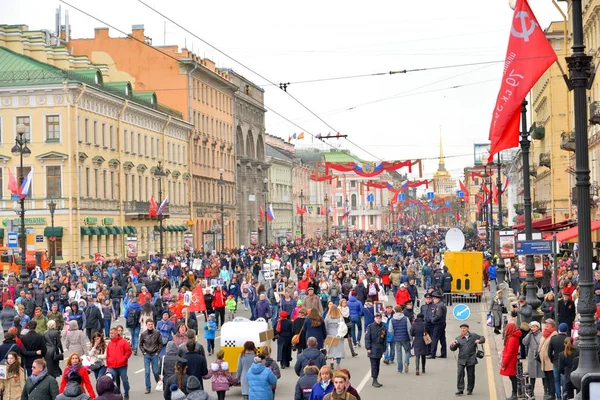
{"x": 270, "y": 215}
{"x": 162, "y": 206}
{"x": 346, "y": 214}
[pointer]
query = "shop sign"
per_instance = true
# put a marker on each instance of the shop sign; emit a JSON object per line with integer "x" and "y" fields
{"x": 108, "y": 221}
{"x": 91, "y": 221}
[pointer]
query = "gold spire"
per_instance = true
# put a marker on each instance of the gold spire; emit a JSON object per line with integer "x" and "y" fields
{"x": 442, "y": 163}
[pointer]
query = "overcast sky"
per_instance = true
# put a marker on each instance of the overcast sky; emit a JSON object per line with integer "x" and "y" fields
{"x": 392, "y": 117}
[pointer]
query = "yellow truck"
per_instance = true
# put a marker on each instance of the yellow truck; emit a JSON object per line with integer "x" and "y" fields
{"x": 466, "y": 268}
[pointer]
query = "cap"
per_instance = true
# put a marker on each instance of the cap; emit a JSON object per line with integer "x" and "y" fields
{"x": 427, "y": 295}
{"x": 182, "y": 362}
{"x": 522, "y": 298}
{"x": 563, "y": 327}
{"x": 464, "y": 325}
{"x": 402, "y": 285}
{"x": 311, "y": 288}
{"x": 436, "y": 295}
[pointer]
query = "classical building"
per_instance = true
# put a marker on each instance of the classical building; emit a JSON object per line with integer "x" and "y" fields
{"x": 251, "y": 165}
{"x": 280, "y": 190}
{"x": 443, "y": 184}
{"x": 310, "y": 161}
{"x": 550, "y": 109}
{"x": 204, "y": 95}
{"x": 94, "y": 147}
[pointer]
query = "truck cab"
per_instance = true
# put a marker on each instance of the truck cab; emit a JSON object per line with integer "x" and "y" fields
{"x": 11, "y": 260}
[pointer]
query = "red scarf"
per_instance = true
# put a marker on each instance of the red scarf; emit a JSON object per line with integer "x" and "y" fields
{"x": 278, "y": 328}
{"x": 548, "y": 331}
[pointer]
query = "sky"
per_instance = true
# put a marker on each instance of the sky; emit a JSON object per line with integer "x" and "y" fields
{"x": 457, "y": 48}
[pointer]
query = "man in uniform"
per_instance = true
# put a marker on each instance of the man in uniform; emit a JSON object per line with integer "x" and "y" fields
{"x": 438, "y": 321}
{"x": 427, "y": 311}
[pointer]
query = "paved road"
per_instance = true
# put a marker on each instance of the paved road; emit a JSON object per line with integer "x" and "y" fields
{"x": 438, "y": 383}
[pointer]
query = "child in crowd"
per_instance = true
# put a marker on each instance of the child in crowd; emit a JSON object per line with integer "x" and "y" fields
{"x": 231, "y": 306}
{"x": 210, "y": 327}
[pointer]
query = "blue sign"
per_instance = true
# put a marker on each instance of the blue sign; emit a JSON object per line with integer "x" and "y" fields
{"x": 461, "y": 193}
{"x": 461, "y": 312}
{"x": 430, "y": 195}
{"x": 529, "y": 247}
{"x": 13, "y": 240}
{"x": 401, "y": 196}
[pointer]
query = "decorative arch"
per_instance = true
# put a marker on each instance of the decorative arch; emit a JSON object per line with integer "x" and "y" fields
{"x": 250, "y": 152}
{"x": 260, "y": 148}
{"x": 239, "y": 140}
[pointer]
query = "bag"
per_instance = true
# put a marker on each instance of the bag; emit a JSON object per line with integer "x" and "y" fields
{"x": 524, "y": 326}
{"x": 133, "y": 318}
{"x": 427, "y": 338}
{"x": 59, "y": 356}
{"x": 537, "y": 356}
{"x": 96, "y": 366}
{"x": 342, "y": 330}
{"x": 372, "y": 289}
{"x": 296, "y": 338}
{"x": 159, "y": 384}
{"x": 489, "y": 320}
{"x": 480, "y": 353}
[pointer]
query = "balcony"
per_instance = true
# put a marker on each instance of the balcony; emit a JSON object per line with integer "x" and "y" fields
{"x": 567, "y": 141}
{"x": 139, "y": 210}
{"x": 545, "y": 160}
{"x": 595, "y": 112}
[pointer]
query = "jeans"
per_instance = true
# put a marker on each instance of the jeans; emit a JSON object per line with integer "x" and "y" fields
{"x": 118, "y": 374}
{"x": 557, "y": 382}
{"x": 210, "y": 345}
{"x": 274, "y": 314}
{"x": 135, "y": 338}
{"x": 399, "y": 349}
{"x": 107, "y": 327}
{"x": 116, "y": 303}
{"x": 150, "y": 360}
{"x": 335, "y": 300}
{"x": 356, "y": 324}
{"x": 99, "y": 372}
{"x": 246, "y": 303}
{"x": 253, "y": 310}
{"x": 427, "y": 282}
{"x": 390, "y": 351}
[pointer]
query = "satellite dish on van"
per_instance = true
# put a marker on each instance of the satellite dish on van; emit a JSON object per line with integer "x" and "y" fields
{"x": 455, "y": 239}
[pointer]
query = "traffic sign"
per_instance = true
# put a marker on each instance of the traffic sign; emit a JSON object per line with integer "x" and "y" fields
{"x": 529, "y": 247}
{"x": 461, "y": 312}
{"x": 13, "y": 240}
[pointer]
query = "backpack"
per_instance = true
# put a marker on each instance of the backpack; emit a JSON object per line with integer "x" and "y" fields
{"x": 372, "y": 289}
{"x": 133, "y": 318}
{"x": 334, "y": 291}
{"x": 251, "y": 293}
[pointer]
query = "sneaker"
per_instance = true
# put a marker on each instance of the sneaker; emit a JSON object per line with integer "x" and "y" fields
{"x": 386, "y": 362}
{"x": 406, "y": 368}
{"x": 147, "y": 390}
{"x": 358, "y": 344}
{"x": 417, "y": 373}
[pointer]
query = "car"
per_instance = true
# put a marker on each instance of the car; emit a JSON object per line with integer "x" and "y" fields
{"x": 330, "y": 255}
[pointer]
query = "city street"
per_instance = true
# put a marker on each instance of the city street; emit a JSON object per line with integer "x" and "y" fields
{"x": 438, "y": 383}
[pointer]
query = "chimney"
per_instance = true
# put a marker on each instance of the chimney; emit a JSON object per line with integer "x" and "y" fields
{"x": 137, "y": 32}
{"x": 101, "y": 33}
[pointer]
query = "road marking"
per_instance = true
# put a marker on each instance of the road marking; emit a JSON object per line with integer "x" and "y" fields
{"x": 365, "y": 380}
{"x": 217, "y": 337}
{"x": 141, "y": 370}
{"x": 488, "y": 361}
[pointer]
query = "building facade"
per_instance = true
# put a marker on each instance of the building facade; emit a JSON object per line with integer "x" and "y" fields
{"x": 251, "y": 165}
{"x": 204, "y": 96}
{"x": 443, "y": 184}
{"x": 94, "y": 147}
{"x": 280, "y": 192}
{"x": 315, "y": 219}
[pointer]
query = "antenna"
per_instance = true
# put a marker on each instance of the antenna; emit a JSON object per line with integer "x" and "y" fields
{"x": 165, "y": 34}
{"x": 57, "y": 22}
{"x": 67, "y": 26}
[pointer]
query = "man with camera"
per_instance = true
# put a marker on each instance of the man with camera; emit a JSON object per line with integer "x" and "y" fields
{"x": 466, "y": 344}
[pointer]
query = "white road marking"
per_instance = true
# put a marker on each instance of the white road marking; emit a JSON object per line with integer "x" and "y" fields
{"x": 364, "y": 381}
{"x": 141, "y": 370}
{"x": 217, "y": 337}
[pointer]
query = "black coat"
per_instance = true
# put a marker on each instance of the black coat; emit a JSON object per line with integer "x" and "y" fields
{"x": 467, "y": 348}
{"x": 375, "y": 340}
{"x": 172, "y": 380}
{"x": 566, "y": 312}
{"x": 93, "y": 318}
{"x": 555, "y": 347}
{"x": 53, "y": 346}
{"x": 196, "y": 366}
{"x": 297, "y": 328}
{"x": 32, "y": 342}
{"x": 46, "y": 389}
{"x": 7, "y": 346}
{"x": 417, "y": 331}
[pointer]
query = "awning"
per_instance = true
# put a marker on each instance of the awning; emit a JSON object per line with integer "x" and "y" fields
{"x": 85, "y": 231}
{"x": 132, "y": 230}
{"x": 102, "y": 230}
{"x": 118, "y": 230}
{"x": 545, "y": 224}
{"x": 1, "y": 232}
{"x": 56, "y": 231}
{"x": 94, "y": 230}
{"x": 573, "y": 233}
{"x": 110, "y": 230}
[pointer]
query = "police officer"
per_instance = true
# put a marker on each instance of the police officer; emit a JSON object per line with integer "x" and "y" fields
{"x": 427, "y": 311}
{"x": 447, "y": 286}
{"x": 438, "y": 321}
{"x": 375, "y": 336}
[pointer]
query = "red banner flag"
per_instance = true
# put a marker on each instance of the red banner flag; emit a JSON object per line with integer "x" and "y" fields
{"x": 198, "y": 304}
{"x": 528, "y": 56}
{"x": 153, "y": 207}
{"x": 464, "y": 189}
{"x": 261, "y": 214}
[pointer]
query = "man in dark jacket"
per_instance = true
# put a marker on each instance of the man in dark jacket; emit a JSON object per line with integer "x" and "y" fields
{"x": 115, "y": 294}
{"x": 566, "y": 311}
{"x": 311, "y": 353}
{"x": 556, "y": 346}
{"x": 360, "y": 292}
{"x": 196, "y": 363}
{"x": 150, "y": 345}
{"x": 438, "y": 324}
{"x": 28, "y": 304}
{"x": 447, "y": 286}
{"x": 466, "y": 344}
{"x": 375, "y": 344}
{"x": 93, "y": 319}
{"x": 45, "y": 387}
{"x": 34, "y": 346}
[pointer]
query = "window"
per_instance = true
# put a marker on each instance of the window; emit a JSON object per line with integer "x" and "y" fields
{"x": 97, "y": 182}
{"x": 146, "y": 146}
{"x": 96, "y": 142}
{"x": 27, "y": 122}
{"x": 352, "y": 184}
{"x": 86, "y": 130}
{"x": 53, "y": 181}
{"x": 139, "y": 144}
{"x": 132, "y": 142}
{"x": 112, "y": 138}
{"x": 476, "y": 182}
{"x": 56, "y": 247}
{"x": 371, "y": 219}
{"x": 113, "y": 185}
{"x": 338, "y": 184}
{"x": 126, "y": 141}
{"x": 338, "y": 201}
{"x": 25, "y": 172}
{"x": 104, "y": 135}
{"x": 152, "y": 147}
{"x": 52, "y": 127}
{"x": 88, "y": 178}
{"x": 105, "y": 183}
{"x": 140, "y": 189}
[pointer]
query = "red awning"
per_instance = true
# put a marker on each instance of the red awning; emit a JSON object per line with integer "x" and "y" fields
{"x": 574, "y": 232}
{"x": 545, "y": 224}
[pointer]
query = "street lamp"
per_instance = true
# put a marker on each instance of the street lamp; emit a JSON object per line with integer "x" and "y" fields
{"x": 326, "y": 217}
{"x": 347, "y": 219}
{"x": 489, "y": 181}
{"x": 159, "y": 173}
{"x": 21, "y": 150}
{"x": 265, "y": 195}
{"x": 501, "y": 267}
{"x": 486, "y": 209}
{"x": 52, "y": 208}
{"x": 302, "y": 215}
{"x": 579, "y": 73}
{"x": 221, "y": 184}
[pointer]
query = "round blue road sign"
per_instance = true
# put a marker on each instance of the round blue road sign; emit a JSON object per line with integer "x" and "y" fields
{"x": 461, "y": 312}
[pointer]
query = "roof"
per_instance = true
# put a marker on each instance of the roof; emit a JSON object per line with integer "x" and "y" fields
{"x": 340, "y": 157}
{"x": 310, "y": 157}
{"x": 274, "y": 152}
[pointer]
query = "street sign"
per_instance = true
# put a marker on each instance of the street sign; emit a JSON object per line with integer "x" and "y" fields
{"x": 461, "y": 312}
{"x": 529, "y": 247}
{"x": 13, "y": 240}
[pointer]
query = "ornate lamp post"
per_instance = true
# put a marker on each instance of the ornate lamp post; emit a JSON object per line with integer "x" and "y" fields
{"x": 221, "y": 184}
{"x": 21, "y": 150}
{"x": 347, "y": 219}
{"x": 326, "y": 216}
{"x": 265, "y": 195}
{"x": 159, "y": 173}
{"x": 52, "y": 208}
{"x": 302, "y": 215}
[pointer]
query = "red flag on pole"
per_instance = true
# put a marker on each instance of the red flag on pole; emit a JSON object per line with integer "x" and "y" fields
{"x": 198, "y": 304}
{"x": 465, "y": 191}
{"x": 153, "y": 207}
{"x": 528, "y": 56}
{"x": 261, "y": 214}
{"x": 12, "y": 183}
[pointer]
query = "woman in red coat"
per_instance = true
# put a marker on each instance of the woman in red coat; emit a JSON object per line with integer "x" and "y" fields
{"x": 74, "y": 365}
{"x": 510, "y": 355}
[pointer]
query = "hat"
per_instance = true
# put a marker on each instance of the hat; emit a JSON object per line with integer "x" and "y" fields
{"x": 550, "y": 321}
{"x": 299, "y": 302}
{"x": 283, "y": 314}
{"x": 463, "y": 325}
{"x": 193, "y": 384}
{"x": 436, "y": 295}
{"x": 9, "y": 303}
{"x": 74, "y": 377}
{"x": 182, "y": 362}
{"x": 402, "y": 285}
{"x": 311, "y": 288}
{"x": 427, "y": 295}
{"x": 176, "y": 394}
{"x": 563, "y": 327}
{"x": 522, "y": 298}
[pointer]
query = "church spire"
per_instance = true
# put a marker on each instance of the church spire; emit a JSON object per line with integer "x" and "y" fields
{"x": 442, "y": 163}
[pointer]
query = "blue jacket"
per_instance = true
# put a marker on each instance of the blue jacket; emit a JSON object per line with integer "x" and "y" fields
{"x": 210, "y": 327}
{"x": 492, "y": 271}
{"x": 400, "y": 327}
{"x": 318, "y": 392}
{"x": 389, "y": 337}
{"x": 260, "y": 379}
{"x": 355, "y": 306}
{"x": 369, "y": 313}
{"x": 166, "y": 329}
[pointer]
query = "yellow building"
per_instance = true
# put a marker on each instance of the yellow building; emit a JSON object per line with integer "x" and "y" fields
{"x": 550, "y": 116}
{"x": 443, "y": 184}
{"x": 94, "y": 147}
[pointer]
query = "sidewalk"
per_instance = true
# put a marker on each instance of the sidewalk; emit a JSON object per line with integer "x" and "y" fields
{"x": 496, "y": 345}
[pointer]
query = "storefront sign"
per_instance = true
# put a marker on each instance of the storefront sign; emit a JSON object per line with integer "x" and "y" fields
{"x": 254, "y": 238}
{"x": 108, "y": 221}
{"x": 91, "y": 221}
{"x": 28, "y": 221}
{"x": 132, "y": 246}
{"x": 507, "y": 246}
{"x": 188, "y": 241}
